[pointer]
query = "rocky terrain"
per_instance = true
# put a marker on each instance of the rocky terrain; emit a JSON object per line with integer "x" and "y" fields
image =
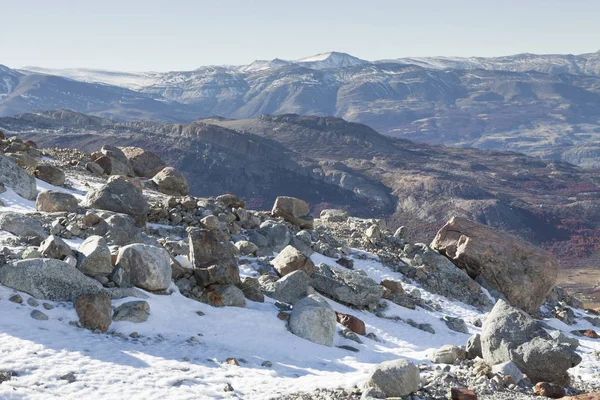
{"x": 542, "y": 105}
{"x": 116, "y": 282}
{"x": 329, "y": 162}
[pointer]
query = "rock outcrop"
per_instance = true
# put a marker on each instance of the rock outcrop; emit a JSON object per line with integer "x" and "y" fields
{"x": 313, "y": 319}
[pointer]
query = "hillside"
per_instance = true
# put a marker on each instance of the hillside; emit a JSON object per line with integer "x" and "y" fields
{"x": 331, "y": 162}
{"x": 541, "y": 105}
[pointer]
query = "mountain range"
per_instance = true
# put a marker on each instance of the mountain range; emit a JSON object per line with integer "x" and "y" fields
{"x": 542, "y": 105}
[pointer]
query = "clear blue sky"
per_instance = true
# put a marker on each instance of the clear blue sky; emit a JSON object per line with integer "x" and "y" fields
{"x": 166, "y": 35}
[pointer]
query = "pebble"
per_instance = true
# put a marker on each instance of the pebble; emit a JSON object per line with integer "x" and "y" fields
{"x": 40, "y": 316}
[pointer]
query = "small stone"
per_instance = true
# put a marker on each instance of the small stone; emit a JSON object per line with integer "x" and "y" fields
{"x": 200, "y": 313}
{"x": 47, "y": 306}
{"x": 40, "y": 316}
{"x": 70, "y": 377}
{"x": 32, "y": 302}
{"x": 349, "y": 348}
{"x": 228, "y": 388}
{"x": 232, "y": 361}
{"x": 134, "y": 335}
{"x": 548, "y": 389}
{"x": 267, "y": 364}
{"x": 16, "y": 299}
{"x": 283, "y": 316}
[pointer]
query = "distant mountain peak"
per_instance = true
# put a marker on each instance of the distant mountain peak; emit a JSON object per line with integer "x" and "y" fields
{"x": 332, "y": 59}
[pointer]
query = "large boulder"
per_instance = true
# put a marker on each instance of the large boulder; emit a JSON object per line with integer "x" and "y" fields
{"x": 396, "y": 378}
{"x": 55, "y": 247}
{"x": 172, "y": 182}
{"x": 121, "y": 196}
{"x": 94, "y": 311}
{"x": 509, "y": 334}
{"x": 48, "y": 279}
{"x": 132, "y": 311}
{"x": 148, "y": 267}
{"x": 16, "y": 178}
{"x": 313, "y": 319}
{"x": 114, "y": 161}
{"x": 94, "y": 257}
{"x": 144, "y": 163}
{"x": 54, "y": 201}
{"x": 51, "y": 174}
{"x": 275, "y": 235}
{"x": 294, "y": 211}
{"x": 213, "y": 261}
{"x": 347, "y": 286}
{"x": 523, "y": 273}
{"x": 23, "y": 227}
{"x": 289, "y": 289}
{"x": 290, "y": 260}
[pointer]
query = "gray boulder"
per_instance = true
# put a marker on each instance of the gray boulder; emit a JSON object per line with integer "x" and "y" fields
{"x": 291, "y": 259}
{"x": 346, "y": 286}
{"x": 561, "y": 338}
{"x": 447, "y": 354}
{"x": 144, "y": 163}
{"x": 251, "y": 289}
{"x": 508, "y": 369}
{"x": 54, "y": 201}
{"x": 148, "y": 267}
{"x": 455, "y": 324}
{"x": 509, "y": 334}
{"x": 224, "y": 296}
{"x": 313, "y": 319}
{"x": 277, "y": 234}
{"x": 294, "y": 211}
{"x": 213, "y": 260}
{"x": 121, "y": 196}
{"x": 289, "y": 289}
{"x": 121, "y": 230}
{"x": 172, "y": 182}
{"x": 16, "y": 178}
{"x": 246, "y": 248}
{"x": 132, "y": 311}
{"x": 55, "y": 247}
{"x": 23, "y": 227}
{"x": 396, "y": 378}
{"x": 51, "y": 174}
{"x": 474, "y": 347}
{"x": 94, "y": 257}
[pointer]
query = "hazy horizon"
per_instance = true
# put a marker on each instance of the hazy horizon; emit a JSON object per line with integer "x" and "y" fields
{"x": 154, "y": 36}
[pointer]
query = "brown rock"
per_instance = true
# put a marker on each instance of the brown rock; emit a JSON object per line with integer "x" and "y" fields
{"x": 462, "y": 394}
{"x": 587, "y": 396}
{"x": 94, "y": 311}
{"x": 356, "y": 325}
{"x": 213, "y": 261}
{"x": 294, "y": 211}
{"x": 145, "y": 163}
{"x": 522, "y": 272}
{"x": 50, "y": 174}
{"x": 394, "y": 287}
{"x": 590, "y": 333}
{"x": 291, "y": 259}
{"x": 172, "y": 182}
{"x": 231, "y": 201}
{"x": 548, "y": 389}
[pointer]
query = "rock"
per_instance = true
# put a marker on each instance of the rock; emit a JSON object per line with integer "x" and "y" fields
{"x": 121, "y": 196}
{"x": 47, "y": 279}
{"x": 548, "y": 389}
{"x": 70, "y": 377}
{"x": 587, "y": 396}
{"x": 294, "y": 211}
{"x": 508, "y": 369}
{"x": 473, "y": 347}
{"x": 32, "y": 302}
{"x": 289, "y": 289}
{"x": 121, "y": 230}
{"x": 211, "y": 222}
{"x": 333, "y": 215}
{"x": 94, "y": 311}
{"x": 455, "y": 324}
{"x": 447, "y": 354}
{"x": 53, "y": 201}
{"x": 114, "y": 166}
{"x": 94, "y": 257}
{"x": 231, "y": 201}
{"x": 313, "y": 319}
{"x": 143, "y": 162}
{"x": 16, "y": 178}
{"x": 132, "y": 311}
{"x": 246, "y": 248}
{"x": 40, "y": 316}
{"x": 148, "y": 267}
{"x": 509, "y": 334}
{"x": 94, "y": 168}
{"x": 523, "y": 273}
{"x": 356, "y": 325}
{"x": 55, "y": 247}
{"x": 348, "y": 334}
{"x": 223, "y": 296}
{"x": 172, "y": 182}
{"x": 371, "y": 393}
{"x": 393, "y": 287}
{"x": 400, "y": 233}
{"x": 251, "y": 289}
{"x": 590, "y": 333}
{"x": 346, "y": 286}
{"x": 396, "y": 378}
{"x": 31, "y": 252}
{"x": 51, "y": 174}
{"x": 16, "y": 299}
{"x": 345, "y": 262}
{"x": 23, "y": 227}
{"x": 213, "y": 261}
{"x": 462, "y": 394}
{"x": 276, "y": 234}
{"x": 561, "y": 338}
{"x": 290, "y": 260}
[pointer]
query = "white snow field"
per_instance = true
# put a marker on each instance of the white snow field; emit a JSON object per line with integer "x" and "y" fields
{"x": 182, "y": 355}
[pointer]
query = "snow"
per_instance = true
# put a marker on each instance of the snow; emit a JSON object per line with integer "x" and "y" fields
{"x": 166, "y": 363}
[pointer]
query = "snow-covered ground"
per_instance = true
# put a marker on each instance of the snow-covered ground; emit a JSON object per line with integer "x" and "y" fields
{"x": 182, "y": 355}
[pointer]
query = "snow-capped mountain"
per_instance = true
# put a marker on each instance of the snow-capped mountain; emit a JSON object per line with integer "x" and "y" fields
{"x": 329, "y": 60}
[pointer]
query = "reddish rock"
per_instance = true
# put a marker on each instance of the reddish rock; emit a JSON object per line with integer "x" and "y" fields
{"x": 548, "y": 389}
{"x": 283, "y": 316}
{"x": 94, "y": 311}
{"x": 587, "y": 396}
{"x": 354, "y": 324}
{"x": 463, "y": 394}
{"x": 590, "y": 333}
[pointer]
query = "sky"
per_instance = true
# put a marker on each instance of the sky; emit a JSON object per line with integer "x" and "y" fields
{"x": 167, "y": 35}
